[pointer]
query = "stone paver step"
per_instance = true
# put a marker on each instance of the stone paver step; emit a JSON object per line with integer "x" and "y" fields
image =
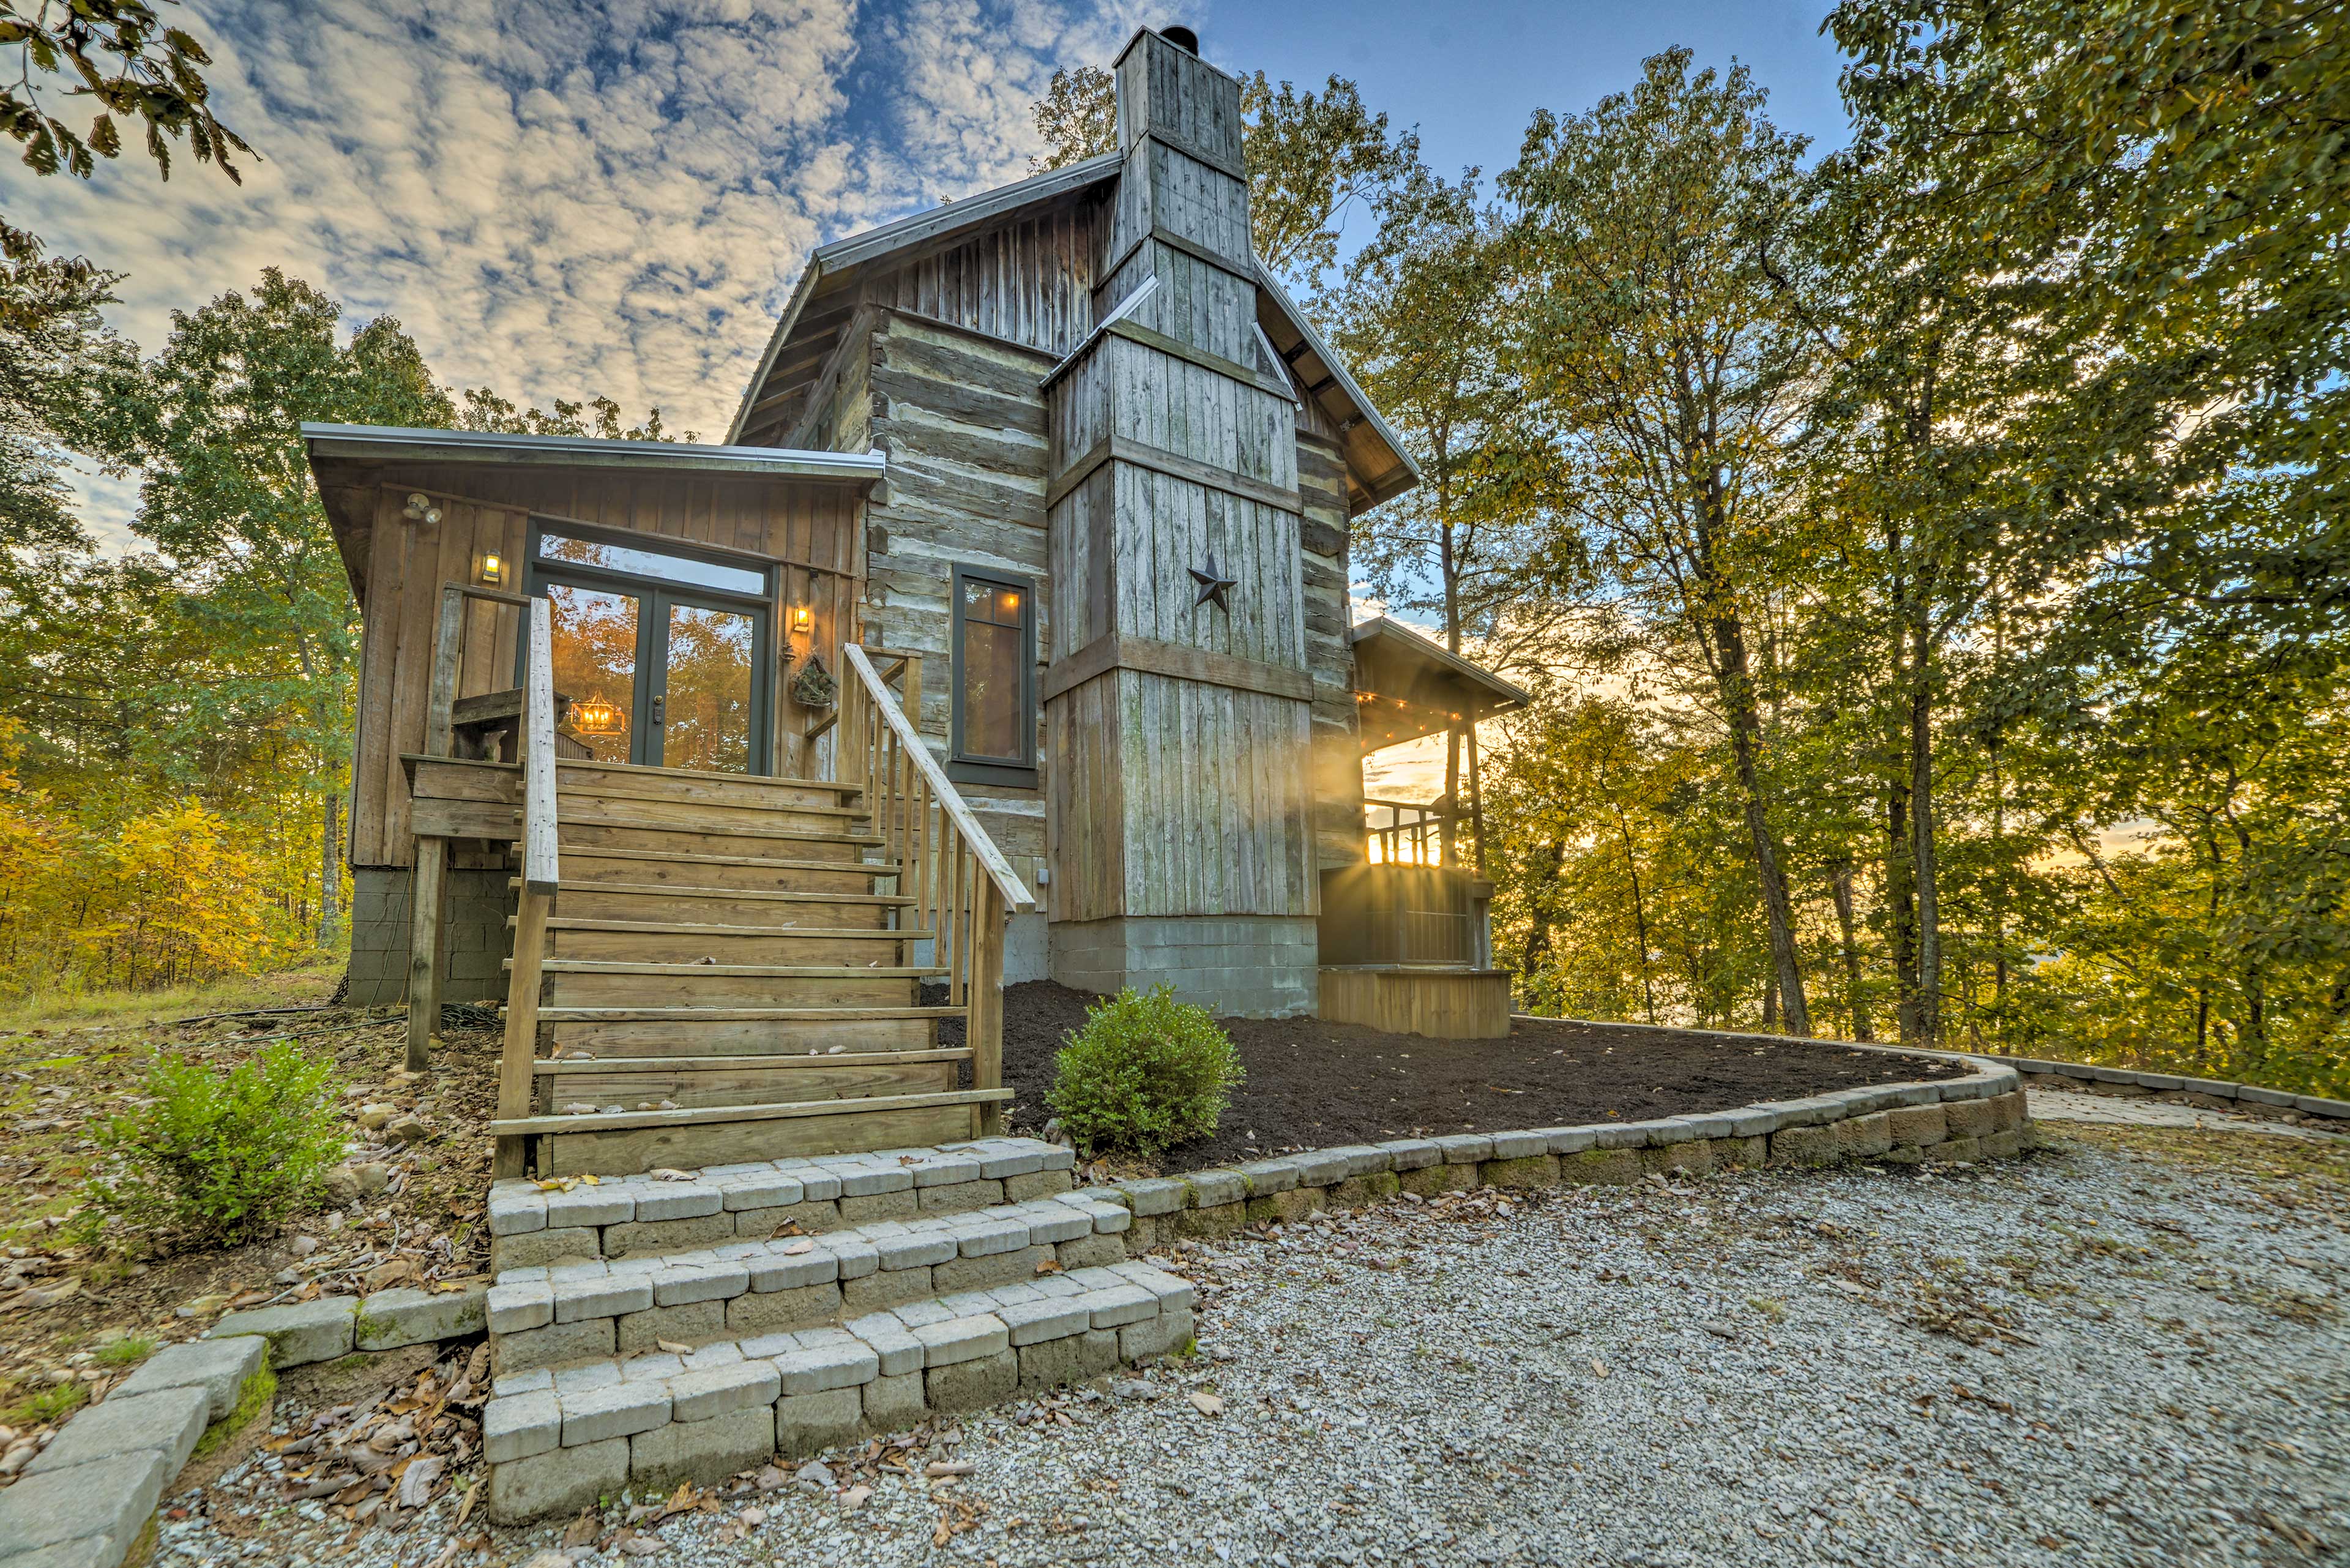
{"x": 630, "y": 1216}
{"x": 548, "y": 1314}
{"x": 556, "y": 1436}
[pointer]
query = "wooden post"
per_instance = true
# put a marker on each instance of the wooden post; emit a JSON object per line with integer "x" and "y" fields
{"x": 521, "y": 1054}
{"x": 441, "y": 699}
{"x": 983, "y": 1026}
{"x": 425, "y": 941}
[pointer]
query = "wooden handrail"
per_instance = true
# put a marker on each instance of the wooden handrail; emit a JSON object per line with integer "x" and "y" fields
{"x": 541, "y": 871}
{"x": 961, "y": 887}
{"x": 1015, "y": 893}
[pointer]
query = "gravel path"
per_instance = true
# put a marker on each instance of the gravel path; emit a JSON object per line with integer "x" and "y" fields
{"x": 2126, "y": 1350}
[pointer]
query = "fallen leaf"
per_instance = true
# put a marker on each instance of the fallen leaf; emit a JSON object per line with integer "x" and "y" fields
{"x": 582, "y": 1530}
{"x": 675, "y": 1347}
{"x": 854, "y": 1498}
{"x": 1207, "y": 1404}
{"x": 796, "y": 1247}
{"x": 949, "y": 1468}
{"x": 1598, "y": 1367}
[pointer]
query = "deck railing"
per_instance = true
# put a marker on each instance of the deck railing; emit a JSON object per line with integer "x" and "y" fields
{"x": 962, "y": 886}
{"x": 541, "y": 871}
{"x": 1413, "y": 835}
{"x": 425, "y": 891}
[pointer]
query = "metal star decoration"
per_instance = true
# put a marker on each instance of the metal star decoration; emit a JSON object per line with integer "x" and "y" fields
{"x": 1213, "y": 585}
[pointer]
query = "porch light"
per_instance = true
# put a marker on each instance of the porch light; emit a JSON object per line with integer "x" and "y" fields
{"x": 493, "y": 570}
{"x": 803, "y": 620}
{"x": 595, "y": 717}
{"x": 420, "y": 508}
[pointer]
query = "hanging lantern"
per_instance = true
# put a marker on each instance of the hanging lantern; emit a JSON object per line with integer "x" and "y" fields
{"x": 595, "y": 717}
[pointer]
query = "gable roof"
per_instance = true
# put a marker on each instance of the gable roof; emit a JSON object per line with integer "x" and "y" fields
{"x": 834, "y": 263}
{"x": 809, "y": 332}
{"x": 1409, "y": 685}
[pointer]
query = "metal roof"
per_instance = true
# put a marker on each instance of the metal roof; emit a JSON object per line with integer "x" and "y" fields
{"x": 397, "y": 443}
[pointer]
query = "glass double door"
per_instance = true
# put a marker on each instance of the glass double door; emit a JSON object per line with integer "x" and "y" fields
{"x": 659, "y": 676}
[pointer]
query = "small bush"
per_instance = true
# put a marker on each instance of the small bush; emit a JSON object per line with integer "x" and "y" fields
{"x": 1146, "y": 1072}
{"x": 53, "y": 1403}
{"x": 219, "y": 1156}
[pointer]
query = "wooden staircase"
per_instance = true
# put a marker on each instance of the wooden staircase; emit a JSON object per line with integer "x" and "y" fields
{"x": 711, "y": 968}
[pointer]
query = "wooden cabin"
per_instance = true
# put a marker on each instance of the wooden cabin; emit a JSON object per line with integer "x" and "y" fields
{"x": 1007, "y": 635}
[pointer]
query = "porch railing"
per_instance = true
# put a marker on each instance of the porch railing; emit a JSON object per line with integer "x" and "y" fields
{"x": 541, "y": 870}
{"x": 1413, "y": 835}
{"x": 426, "y": 890}
{"x": 962, "y": 886}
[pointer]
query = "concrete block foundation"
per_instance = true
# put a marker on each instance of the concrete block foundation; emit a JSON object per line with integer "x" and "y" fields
{"x": 1235, "y": 966}
{"x": 478, "y": 904}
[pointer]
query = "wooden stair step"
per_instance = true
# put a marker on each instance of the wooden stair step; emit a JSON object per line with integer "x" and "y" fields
{"x": 776, "y": 933}
{"x": 739, "y": 1014}
{"x": 704, "y": 890}
{"x": 775, "y": 970}
{"x": 556, "y": 1067}
{"x": 689, "y": 779}
{"x": 622, "y": 1121}
{"x": 643, "y": 824}
{"x": 617, "y": 789}
{"x": 760, "y": 862}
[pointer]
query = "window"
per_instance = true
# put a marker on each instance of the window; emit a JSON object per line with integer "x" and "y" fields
{"x": 994, "y": 680}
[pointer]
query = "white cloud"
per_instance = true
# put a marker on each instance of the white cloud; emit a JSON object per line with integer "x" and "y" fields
{"x": 564, "y": 198}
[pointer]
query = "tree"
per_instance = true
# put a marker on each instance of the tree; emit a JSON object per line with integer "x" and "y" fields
{"x": 1417, "y": 318}
{"x": 61, "y": 367}
{"x": 484, "y": 409}
{"x": 230, "y": 502}
{"x": 130, "y": 62}
{"x": 1653, "y": 343}
{"x": 1310, "y": 157}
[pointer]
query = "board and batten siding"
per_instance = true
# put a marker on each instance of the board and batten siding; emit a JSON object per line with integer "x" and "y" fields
{"x": 483, "y": 509}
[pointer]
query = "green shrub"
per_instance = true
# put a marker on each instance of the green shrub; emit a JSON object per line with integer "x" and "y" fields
{"x": 219, "y": 1156}
{"x": 129, "y": 1351}
{"x": 1145, "y": 1072}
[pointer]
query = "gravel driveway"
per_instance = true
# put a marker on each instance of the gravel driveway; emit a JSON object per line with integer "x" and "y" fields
{"x": 2127, "y": 1349}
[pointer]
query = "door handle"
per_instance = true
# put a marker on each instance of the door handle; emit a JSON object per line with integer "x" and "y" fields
{"x": 659, "y": 704}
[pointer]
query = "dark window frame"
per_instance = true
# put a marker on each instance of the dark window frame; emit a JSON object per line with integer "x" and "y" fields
{"x": 961, "y": 766}
{"x": 653, "y": 592}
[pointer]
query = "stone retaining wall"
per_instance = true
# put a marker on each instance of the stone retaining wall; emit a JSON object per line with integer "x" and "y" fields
{"x": 1955, "y": 1120}
{"x": 86, "y": 1500}
{"x": 2210, "y": 1093}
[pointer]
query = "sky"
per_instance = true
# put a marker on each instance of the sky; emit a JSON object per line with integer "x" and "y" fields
{"x": 570, "y": 198}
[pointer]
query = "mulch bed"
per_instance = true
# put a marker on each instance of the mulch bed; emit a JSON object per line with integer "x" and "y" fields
{"x": 1313, "y": 1084}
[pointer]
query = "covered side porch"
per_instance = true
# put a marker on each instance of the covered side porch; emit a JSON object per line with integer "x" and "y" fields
{"x": 1406, "y": 933}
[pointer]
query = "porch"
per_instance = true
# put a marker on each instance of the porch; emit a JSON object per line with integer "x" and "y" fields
{"x": 1406, "y": 933}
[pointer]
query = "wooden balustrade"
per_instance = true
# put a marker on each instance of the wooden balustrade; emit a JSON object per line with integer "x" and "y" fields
{"x": 427, "y": 888}
{"x": 541, "y": 871}
{"x": 1415, "y": 833}
{"x": 962, "y": 886}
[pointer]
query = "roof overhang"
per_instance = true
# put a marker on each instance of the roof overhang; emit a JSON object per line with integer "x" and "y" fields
{"x": 1408, "y": 686}
{"x": 349, "y": 462}
{"x": 394, "y": 443}
{"x": 834, "y": 267}
{"x": 1376, "y": 456}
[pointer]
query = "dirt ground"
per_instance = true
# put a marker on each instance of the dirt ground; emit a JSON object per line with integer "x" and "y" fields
{"x": 404, "y": 1207}
{"x": 1313, "y": 1084}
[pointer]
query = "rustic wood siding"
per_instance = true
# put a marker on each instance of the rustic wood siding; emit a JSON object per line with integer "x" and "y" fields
{"x": 962, "y": 425}
{"x": 483, "y": 508}
{"x": 1029, "y": 280}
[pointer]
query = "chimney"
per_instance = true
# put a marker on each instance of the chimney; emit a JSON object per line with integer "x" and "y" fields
{"x": 1177, "y": 702}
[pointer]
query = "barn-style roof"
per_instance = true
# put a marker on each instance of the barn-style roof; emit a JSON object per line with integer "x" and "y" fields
{"x": 825, "y": 298}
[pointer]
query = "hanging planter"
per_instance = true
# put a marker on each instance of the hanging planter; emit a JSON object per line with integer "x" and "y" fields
{"x": 813, "y": 686}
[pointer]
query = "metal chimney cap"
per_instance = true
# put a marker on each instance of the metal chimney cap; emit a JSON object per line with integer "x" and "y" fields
{"x": 1182, "y": 38}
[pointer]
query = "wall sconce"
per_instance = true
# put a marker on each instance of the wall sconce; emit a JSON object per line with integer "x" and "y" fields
{"x": 493, "y": 570}
{"x": 803, "y": 620}
{"x": 420, "y": 508}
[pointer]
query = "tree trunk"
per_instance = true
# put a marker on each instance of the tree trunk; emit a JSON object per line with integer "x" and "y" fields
{"x": 1476, "y": 807}
{"x": 1922, "y": 846}
{"x": 1855, "y": 998}
{"x": 1746, "y": 742}
{"x": 329, "y": 868}
{"x": 1445, "y": 850}
{"x": 1639, "y": 914}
